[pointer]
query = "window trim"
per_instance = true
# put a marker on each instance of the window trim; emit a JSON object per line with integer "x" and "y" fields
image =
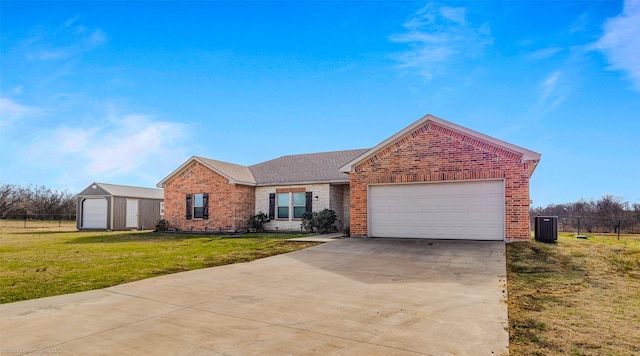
{"x": 274, "y": 203}
{"x": 288, "y": 206}
{"x": 191, "y": 206}
{"x": 195, "y": 206}
{"x": 294, "y": 206}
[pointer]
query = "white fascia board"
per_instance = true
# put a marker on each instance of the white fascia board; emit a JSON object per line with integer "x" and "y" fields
{"x": 162, "y": 183}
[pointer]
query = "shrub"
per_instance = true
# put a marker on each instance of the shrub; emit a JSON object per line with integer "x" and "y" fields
{"x": 162, "y": 225}
{"x": 256, "y": 222}
{"x": 307, "y": 221}
{"x": 322, "y": 221}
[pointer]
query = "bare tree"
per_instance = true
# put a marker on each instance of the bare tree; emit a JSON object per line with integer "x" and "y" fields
{"x": 8, "y": 198}
{"x": 586, "y": 212}
{"x": 35, "y": 200}
{"x": 610, "y": 210}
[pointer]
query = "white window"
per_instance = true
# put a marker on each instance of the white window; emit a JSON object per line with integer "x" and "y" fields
{"x": 198, "y": 206}
{"x": 299, "y": 205}
{"x": 283, "y": 205}
{"x": 162, "y": 208}
{"x": 291, "y": 205}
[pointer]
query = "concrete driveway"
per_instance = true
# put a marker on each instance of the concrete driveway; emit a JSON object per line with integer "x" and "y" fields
{"x": 349, "y": 297}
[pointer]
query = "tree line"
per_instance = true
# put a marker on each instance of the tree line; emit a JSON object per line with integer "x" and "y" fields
{"x": 35, "y": 201}
{"x": 607, "y": 214}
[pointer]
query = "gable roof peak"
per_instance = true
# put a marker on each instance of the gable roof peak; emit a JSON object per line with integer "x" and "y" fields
{"x": 527, "y": 155}
{"x": 127, "y": 190}
{"x": 235, "y": 173}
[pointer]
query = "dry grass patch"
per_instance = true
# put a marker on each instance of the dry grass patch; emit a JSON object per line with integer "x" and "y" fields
{"x": 576, "y": 297}
{"x": 50, "y": 259}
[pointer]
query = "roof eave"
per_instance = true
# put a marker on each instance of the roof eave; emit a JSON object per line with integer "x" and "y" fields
{"x": 330, "y": 181}
{"x": 240, "y": 182}
{"x": 163, "y": 182}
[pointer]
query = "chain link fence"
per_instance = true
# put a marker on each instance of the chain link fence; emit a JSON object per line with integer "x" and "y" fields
{"x": 38, "y": 220}
{"x": 582, "y": 224}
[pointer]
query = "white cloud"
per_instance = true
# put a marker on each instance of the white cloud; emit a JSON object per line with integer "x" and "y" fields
{"x": 17, "y": 90}
{"x": 65, "y": 42}
{"x": 10, "y": 112}
{"x": 552, "y": 94}
{"x": 436, "y": 35}
{"x": 544, "y": 53}
{"x": 621, "y": 42}
{"x": 580, "y": 25}
{"x": 124, "y": 147}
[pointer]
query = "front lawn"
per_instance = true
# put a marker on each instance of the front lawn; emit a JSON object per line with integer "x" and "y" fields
{"x": 50, "y": 259}
{"x": 575, "y": 297}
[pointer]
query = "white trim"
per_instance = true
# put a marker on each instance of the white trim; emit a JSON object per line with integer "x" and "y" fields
{"x": 83, "y": 215}
{"x": 126, "y": 215}
{"x": 186, "y": 164}
{"x": 283, "y": 184}
{"x": 527, "y": 155}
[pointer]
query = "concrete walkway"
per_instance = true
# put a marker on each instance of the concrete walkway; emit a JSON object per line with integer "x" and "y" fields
{"x": 320, "y": 238}
{"x": 347, "y": 297}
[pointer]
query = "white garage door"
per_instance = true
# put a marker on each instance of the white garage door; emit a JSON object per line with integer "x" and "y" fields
{"x": 451, "y": 210}
{"x": 94, "y": 214}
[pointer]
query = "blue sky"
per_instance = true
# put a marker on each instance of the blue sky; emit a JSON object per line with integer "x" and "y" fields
{"x": 125, "y": 92}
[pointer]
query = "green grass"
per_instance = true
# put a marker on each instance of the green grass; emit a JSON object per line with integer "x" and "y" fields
{"x": 575, "y": 297}
{"x": 52, "y": 260}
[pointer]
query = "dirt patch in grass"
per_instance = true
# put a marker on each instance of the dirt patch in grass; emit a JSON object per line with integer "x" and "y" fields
{"x": 55, "y": 260}
{"x": 575, "y": 297}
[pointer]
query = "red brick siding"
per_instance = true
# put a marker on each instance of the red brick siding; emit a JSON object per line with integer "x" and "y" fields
{"x": 230, "y": 205}
{"x": 435, "y": 153}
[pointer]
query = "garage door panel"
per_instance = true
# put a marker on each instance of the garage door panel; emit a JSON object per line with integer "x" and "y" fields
{"x": 450, "y": 210}
{"x": 94, "y": 214}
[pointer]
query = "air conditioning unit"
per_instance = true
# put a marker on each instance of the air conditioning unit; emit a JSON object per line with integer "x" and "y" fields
{"x": 546, "y": 228}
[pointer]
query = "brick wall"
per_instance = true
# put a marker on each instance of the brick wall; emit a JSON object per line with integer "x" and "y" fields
{"x": 435, "y": 153}
{"x": 336, "y": 192}
{"x": 230, "y": 205}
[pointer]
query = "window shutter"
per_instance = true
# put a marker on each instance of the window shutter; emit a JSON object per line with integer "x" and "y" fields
{"x": 189, "y": 207}
{"x": 309, "y": 202}
{"x": 272, "y": 206}
{"x": 205, "y": 206}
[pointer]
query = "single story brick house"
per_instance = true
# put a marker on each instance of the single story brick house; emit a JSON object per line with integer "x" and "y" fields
{"x": 433, "y": 179}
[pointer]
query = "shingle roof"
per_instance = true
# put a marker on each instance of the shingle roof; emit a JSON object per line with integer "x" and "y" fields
{"x": 321, "y": 167}
{"x": 304, "y": 168}
{"x": 235, "y": 172}
{"x": 132, "y": 192}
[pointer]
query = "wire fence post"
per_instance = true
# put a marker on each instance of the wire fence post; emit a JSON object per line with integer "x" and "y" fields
{"x": 619, "y": 226}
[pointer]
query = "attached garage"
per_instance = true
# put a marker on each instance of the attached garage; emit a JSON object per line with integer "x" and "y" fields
{"x": 472, "y": 210}
{"x": 104, "y": 206}
{"x": 438, "y": 180}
